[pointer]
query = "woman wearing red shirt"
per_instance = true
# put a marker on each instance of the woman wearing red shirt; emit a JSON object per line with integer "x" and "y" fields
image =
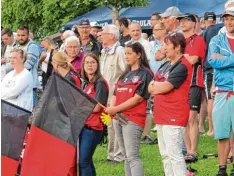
{"x": 96, "y": 87}
{"x": 171, "y": 104}
{"x": 130, "y": 98}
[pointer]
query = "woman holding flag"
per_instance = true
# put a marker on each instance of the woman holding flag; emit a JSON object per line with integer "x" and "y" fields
{"x": 96, "y": 87}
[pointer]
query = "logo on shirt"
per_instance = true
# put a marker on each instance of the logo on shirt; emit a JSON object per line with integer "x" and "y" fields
{"x": 89, "y": 91}
{"x": 135, "y": 79}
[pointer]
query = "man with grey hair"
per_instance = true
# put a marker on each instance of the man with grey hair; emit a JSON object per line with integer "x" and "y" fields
{"x": 72, "y": 49}
{"x": 169, "y": 19}
{"x": 65, "y": 35}
{"x": 113, "y": 65}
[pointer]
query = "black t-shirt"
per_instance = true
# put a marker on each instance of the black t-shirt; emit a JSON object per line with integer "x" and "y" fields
{"x": 124, "y": 39}
{"x": 143, "y": 75}
{"x": 176, "y": 74}
{"x": 208, "y": 34}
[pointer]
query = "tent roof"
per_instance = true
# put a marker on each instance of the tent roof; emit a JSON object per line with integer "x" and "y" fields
{"x": 103, "y": 15}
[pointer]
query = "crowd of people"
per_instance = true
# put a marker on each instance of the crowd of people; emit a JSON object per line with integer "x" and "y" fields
{"x": 177, "y": 76}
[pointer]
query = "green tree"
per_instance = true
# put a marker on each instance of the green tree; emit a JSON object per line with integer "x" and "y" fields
{"x": 22, "y": 12}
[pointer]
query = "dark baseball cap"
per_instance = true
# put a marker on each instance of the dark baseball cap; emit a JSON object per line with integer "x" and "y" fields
{"x": 84, "y": 22}
{"x": 188, "y": 16}
{"x": 210, "y": 16}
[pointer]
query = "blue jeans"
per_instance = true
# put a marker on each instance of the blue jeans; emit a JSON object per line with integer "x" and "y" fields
{"x": 88, "y": 141}
{"x": 34, "y": 97}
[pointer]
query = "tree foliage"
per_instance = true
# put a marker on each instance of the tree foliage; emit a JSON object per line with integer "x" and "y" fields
{"x": 44, "y": 17}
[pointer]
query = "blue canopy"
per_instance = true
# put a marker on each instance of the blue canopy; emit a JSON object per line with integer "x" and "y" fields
{"x": 103, "y": 15}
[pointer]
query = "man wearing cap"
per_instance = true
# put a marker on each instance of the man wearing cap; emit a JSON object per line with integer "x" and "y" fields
{"x": 209, "y": 19}
{"x": 169, "y": 19}
{"x": 95, "y": 28}
{"x": 195, "y": 53}
{"x": 221, "y": 58}
{"x": 88, "y": 42}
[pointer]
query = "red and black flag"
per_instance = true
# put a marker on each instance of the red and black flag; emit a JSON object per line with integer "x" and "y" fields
{"x": 59, "y": 118}
{"x": 14, "y": 124}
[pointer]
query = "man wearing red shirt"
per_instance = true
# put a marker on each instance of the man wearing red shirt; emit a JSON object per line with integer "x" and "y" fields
{"x": 195, "y": 53}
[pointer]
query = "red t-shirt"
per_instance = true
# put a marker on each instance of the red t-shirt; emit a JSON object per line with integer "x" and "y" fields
{"x": 99, "y": 91}
{"x": 231, "y": 43}
{"x": 134, "y": 82}
{"x": 196, "y": 46}
{"x": 172, "y": 108}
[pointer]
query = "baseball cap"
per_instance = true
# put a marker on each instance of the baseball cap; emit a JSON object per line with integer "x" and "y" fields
{"x": 94, "y": 24}
{"x": 171, "y": 11}
{"x": 84, "y": 22}
{"x": 188, "y": 16}
{"x": 228, "y": 11}
{"x": 210, "y": 16}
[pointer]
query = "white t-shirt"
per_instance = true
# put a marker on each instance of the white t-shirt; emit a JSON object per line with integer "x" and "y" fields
{"x": 44, "y": 65}
{"x": 18, "y": 89}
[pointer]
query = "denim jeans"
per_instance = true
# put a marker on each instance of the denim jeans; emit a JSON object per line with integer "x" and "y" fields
{"x": 129, "y": 137}
{"x": 34, "y": 97}
{"x": 170, "y": 140}
{"x": 88, "y": 141}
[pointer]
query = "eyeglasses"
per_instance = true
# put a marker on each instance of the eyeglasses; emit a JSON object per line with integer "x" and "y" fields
{"x": 90, "y": 63}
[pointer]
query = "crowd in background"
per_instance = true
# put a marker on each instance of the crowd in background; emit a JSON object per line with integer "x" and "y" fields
{"x": 180, "y": 75}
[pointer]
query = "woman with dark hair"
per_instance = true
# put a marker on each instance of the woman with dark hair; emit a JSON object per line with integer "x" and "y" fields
{"x": 96, "y": 87}
{"x": 130, "y": 99}
{"x": 171, "y": 104}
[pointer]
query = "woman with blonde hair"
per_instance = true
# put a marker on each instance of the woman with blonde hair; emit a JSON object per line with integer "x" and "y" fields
{"x": 17, "y": 85}
{"x": 63, "y": 67}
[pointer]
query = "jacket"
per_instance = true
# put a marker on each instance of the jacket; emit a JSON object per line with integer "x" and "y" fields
{"x": 224, "y": 66}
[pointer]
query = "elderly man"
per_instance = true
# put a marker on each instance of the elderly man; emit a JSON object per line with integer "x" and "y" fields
{"x": 87, "y": 41}
{"x": 136, "y": 35}
{"x": 169, "y": 19}
{"x": 221, "y": 58}
{"x": 9, "y": 42}
{"x": 112, "y": 67}
{"x": 72, "y": 49}
{"x": 64, "y": 36}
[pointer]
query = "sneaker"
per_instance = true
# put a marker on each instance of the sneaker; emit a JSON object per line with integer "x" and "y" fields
{"x": 154, "y": 129}
{"x": 146, "y": 140}
{"x": 221, "y": 174}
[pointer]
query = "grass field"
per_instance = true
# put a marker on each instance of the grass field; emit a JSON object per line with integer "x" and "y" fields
{"x": 152, "y": 162}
